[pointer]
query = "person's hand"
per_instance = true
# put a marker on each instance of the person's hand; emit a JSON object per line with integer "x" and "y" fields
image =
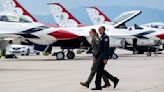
{"x": 105, "y": 61}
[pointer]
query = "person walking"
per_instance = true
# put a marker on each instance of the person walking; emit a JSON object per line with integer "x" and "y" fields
{"x": 94, "y": 44}
{"x": 102, "y": 57}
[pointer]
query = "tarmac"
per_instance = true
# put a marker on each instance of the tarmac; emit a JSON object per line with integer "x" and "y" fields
{"x": 137, "y": 73}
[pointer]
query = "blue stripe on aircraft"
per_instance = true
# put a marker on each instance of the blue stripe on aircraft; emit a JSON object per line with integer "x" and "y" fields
{"x": 33, "y": 30}
{"x": 142, "y": 35}
{"x": 28, "y": 33}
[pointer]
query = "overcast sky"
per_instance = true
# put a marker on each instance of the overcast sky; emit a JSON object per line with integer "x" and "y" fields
{"x": 38, "y": 7}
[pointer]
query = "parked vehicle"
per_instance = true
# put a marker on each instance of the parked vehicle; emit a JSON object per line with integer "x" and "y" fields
{"x": 21, "y": 50}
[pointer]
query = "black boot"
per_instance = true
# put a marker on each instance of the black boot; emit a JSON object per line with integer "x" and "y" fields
{"x": 116, "y": 82}
{"x": 106, "y": 85}
{"x": 97, "y": 88}
{"x": 84, "y": 84}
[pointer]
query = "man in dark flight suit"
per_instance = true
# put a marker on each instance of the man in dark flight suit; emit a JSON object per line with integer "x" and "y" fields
{"x": 102, "y": 57}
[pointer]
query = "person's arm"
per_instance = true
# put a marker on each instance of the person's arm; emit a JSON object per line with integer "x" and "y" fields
{"x": 97, "y": 43}
{"x": 106, "y": 48}
{"x": 93, "y": 46}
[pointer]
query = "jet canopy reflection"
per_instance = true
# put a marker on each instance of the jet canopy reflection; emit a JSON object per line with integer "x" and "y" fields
{"x": 13, "y": 17}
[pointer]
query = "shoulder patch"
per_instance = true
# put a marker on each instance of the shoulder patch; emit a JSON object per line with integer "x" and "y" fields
{"x": 106, "y": 39}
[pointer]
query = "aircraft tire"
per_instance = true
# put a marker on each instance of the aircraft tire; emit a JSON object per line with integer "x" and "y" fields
{"x": 60, "y": 56}
{"x": 70, "y": 55}
{"x": 37, "y": 53}
{"x": 10, "y": 56}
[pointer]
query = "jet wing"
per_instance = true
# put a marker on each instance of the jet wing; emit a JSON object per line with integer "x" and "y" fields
{"x": 125, "y": 17}
{"x": 27, "y": 36}
{"x": 8, "y": 37}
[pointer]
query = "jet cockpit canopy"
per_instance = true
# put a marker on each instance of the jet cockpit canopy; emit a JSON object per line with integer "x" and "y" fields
{"x": 158, "y": 25}
{"x": 13, "y": 17}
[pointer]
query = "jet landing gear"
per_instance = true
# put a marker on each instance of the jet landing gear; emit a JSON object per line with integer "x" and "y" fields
{"x": 70, "y": 55}
{"x": 148, "y": 53}
{"x": 62, "y": 54}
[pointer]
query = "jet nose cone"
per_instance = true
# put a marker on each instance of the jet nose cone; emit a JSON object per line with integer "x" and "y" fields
{"x": 63, "y": 35}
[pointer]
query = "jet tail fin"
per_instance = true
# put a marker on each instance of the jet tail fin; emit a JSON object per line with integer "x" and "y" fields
{"x": 14, "y": 6}
{"x": 62, "y": 17}
{"x": 97, "y": 16}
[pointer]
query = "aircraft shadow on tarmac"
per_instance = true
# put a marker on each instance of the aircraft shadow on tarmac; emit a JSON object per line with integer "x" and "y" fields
{"x": 50, "y": 59}
{"x": 36, "y": 70}
{"x": 80, "y": 58}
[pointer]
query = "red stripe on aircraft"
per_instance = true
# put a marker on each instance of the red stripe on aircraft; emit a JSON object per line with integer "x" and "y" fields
{"x": 24, "y": 11}
{"x": 81, "y": 25}
{"x": 161, "y": 36}
{"x": 63, "y": 35}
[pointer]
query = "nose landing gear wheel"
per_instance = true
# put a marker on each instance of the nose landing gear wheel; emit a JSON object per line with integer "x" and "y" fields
{"x": 70, "y": 55}
{"x": 60, "y": 56}
{"x": 148, "y": 53}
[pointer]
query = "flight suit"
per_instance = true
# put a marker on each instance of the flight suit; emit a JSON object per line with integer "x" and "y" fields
{"x": 103, "y": 53}
{"x": 95, "y": 44}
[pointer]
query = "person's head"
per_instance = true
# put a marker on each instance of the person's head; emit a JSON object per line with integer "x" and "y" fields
{"x": 93, "y": 32}
{"x": 101, "y": 30}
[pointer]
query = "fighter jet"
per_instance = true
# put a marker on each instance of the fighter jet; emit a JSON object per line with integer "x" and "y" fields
{"x": 74, "y": 37}
{"x": 143, "y": 45}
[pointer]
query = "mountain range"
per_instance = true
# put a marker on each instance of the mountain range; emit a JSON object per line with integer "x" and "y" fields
{"x": 147, "y": 15}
